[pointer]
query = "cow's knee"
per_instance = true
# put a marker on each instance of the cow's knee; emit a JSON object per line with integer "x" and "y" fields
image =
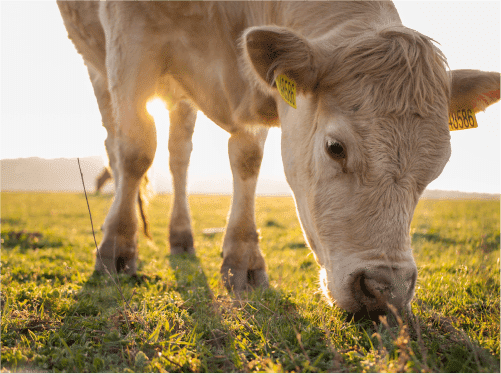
{"x": 246, "y": 154}
{"x": 136, "y": 159}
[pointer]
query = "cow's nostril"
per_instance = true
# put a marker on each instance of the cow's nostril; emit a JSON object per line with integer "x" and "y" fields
{"x": 363, "y": 287}
{"x": 373, "y": 291}
{"x": 375, "y": 288}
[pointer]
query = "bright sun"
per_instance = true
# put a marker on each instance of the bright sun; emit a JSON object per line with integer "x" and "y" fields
{"x": 156, "y": 108}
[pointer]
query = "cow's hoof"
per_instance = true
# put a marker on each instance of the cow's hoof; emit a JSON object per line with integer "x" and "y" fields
{"x": 244, "y": 280}
{"x": 179, "y": 250}
{"x": 116, "y": 265}
{"x": 258, "y": 278}
{"x": 181, "y": 242}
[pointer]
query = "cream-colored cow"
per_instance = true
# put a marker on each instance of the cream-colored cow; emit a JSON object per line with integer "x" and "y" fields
{"x": 369, "y": 129}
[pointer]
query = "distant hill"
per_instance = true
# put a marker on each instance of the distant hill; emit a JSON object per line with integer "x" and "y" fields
{"x": 452, "y": 195}
{"x": 62, "y": 174}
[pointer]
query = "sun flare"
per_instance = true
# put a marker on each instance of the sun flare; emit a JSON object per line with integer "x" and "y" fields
{"x": 156, "y": 108}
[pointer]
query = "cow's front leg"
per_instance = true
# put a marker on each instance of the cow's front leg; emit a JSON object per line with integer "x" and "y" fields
{"x": 182, "y": 123}
{"x": 243, "y": 264}
{"x": 133, "y": 71}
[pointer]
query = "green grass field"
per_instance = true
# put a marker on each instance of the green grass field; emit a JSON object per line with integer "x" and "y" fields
{"x": 58, "y": 316}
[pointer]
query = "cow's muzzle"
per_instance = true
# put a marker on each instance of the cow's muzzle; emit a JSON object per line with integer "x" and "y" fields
{"x": 375, "y": 288}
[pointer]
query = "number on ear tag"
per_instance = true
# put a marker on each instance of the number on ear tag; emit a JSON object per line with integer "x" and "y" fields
{"x": 462, "y": 119}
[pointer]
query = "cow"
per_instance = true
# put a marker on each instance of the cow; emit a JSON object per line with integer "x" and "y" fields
{"x": 102, "y": 179}
{"x": 364, "y": 105}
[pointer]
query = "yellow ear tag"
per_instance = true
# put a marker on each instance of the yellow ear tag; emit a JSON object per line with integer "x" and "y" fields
{"x": 462, "y": 119}
{"x": 287, "y": 89}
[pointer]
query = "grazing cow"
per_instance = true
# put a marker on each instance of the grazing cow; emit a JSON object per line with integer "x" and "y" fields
{"x": 363, "y": 103}
{"x": 102, "y": 179}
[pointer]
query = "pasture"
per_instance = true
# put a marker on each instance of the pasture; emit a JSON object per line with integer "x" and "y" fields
{"x": 177, "y": 316}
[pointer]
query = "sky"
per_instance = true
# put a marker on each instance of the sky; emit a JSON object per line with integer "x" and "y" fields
{"x": 48, "y": 107}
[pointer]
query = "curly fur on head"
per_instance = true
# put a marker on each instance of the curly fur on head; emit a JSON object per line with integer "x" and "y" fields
{"x": 393, "y": 68}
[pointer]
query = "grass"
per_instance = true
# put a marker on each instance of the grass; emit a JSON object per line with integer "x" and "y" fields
{"x": 59, "y": 316}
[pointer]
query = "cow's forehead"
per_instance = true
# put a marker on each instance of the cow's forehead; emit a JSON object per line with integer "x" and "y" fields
{"x": 404, "y": 149}
{"x": 385, "y": 146}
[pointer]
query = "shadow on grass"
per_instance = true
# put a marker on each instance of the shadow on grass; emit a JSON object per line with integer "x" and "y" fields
{"x": 258, "y": 330}
{"x": 273, "y": 223}
{"x": 298, "y": 245}
{"x": 27, "y": 240}
{"x": 100, "y": 332}
{"x": 433, "y": 237}
{"x": 11, "y": 221}
{"x": 488, "y": 242}
{"x": 212, "y": 334}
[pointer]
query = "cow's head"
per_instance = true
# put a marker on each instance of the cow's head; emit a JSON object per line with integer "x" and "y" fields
{"x": 369, "y": 133}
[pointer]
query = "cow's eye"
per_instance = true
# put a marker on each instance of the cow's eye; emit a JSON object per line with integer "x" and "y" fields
{"x": 335, "y": 150}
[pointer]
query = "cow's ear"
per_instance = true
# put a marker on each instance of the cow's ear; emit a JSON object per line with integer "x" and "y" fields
{"x": 473, "y": 89}
{"x": 269, "y": 51}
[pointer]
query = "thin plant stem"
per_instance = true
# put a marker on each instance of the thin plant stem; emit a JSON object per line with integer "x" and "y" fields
{"x": 117, "y": 284}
